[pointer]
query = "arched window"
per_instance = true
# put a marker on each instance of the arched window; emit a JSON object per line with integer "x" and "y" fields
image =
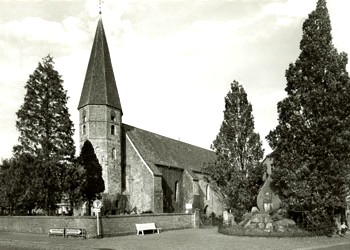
{"x": 113, "y": 116}
{"x": 84, "y": 116}
{"x": 84, "y": 129}
{"x": 112, "y": 130}
{"x": 207, "y": 192}
{"x": 114, "y": 154}
{"x": 177, "y": 191}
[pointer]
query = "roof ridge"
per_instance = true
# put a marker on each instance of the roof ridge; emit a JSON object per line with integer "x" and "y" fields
{"x": 166, "y": 151}
{"x": 168, "y": 137}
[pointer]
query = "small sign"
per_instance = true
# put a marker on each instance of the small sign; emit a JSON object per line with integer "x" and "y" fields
{"x": 97, "y": 204}
{"x": 189, "y": 206}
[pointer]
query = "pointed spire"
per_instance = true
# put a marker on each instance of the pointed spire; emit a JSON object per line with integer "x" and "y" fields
{"x": 99, "y": 86}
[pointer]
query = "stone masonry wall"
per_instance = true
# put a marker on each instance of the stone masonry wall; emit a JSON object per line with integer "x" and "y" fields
{"x": 214, "y": 204}
{"x": 139, "y": 181}
{"x": 188, "y": 190}
{"x": 98, "y": 121}
{"x": 158, "y": 194}
{"x": 172, "y": 180}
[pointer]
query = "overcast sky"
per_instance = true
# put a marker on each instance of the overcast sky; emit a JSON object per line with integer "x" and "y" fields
{"x": 174, "y": 60}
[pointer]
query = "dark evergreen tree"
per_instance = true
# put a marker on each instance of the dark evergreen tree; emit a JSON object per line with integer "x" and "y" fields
{"x": 46, "y": 131}
{"x": 311, "y": 142}
{"x": 93, "y": 184}
{"x": 237, "y": 172}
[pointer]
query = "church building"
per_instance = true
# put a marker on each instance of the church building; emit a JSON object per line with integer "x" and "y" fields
{"x": 141, "y": 170}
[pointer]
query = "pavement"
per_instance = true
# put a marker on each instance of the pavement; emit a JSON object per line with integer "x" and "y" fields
{"x": 178, "y": 239}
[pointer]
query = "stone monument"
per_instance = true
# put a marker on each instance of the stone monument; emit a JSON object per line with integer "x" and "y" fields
{"x": 267, "y": 199}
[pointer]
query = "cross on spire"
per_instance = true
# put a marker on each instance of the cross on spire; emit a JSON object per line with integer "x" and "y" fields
{"x": 100, "y": 6}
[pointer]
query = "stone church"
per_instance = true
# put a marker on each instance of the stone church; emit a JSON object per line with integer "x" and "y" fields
{"x": 142, "y": 170}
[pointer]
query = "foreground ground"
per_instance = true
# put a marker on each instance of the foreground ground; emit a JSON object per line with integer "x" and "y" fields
{"x": 179, "y": 239}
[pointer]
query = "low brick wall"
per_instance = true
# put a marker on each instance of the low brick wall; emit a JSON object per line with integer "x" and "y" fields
{"x": 42, "y": 224}
{"x": 110, "y": 225}
{"x": 118, "y": 225}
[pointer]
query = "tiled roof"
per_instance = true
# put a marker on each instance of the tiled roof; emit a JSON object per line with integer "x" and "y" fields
{"x": 99, "y": 86}
{"x": 164, "y": 151}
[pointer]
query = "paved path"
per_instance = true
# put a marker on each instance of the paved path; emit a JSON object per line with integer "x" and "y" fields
{"x": 339, "y": 247}
{"x": 189, "y": 239}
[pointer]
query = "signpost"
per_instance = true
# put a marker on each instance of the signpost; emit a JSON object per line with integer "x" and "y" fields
{"x": 97, "y": 204}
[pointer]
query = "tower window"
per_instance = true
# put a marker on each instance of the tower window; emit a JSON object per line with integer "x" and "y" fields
{"x": 84, "y": 129}
{"x": 113, "y": 116}
{"x": 112, "y": 130}
{"x": 114, "y": 154}
{"x": 176, "y": 191}
{"x": 84, "y": 116}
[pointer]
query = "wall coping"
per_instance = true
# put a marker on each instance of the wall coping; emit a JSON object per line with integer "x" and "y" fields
{"x": 94, "y": 217}
{"x": 145, "y": 215}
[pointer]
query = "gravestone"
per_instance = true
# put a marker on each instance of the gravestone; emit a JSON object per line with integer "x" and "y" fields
{"x": 225, "y": 217}
{"x": 228, "y": 218}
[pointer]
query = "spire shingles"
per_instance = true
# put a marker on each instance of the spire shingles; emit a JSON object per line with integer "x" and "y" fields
{"x": 99, "y": 86}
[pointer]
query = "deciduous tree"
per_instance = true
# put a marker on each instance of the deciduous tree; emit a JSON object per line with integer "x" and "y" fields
{"x": 17, "y": 186}
{"x": 237, "y": 172}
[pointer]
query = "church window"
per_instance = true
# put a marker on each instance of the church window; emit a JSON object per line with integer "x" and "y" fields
{"x": 112, "y": 130}
{"x": 177, "y": 191}
{"x": 207, "y": 192}
{"x": 84, "y": 129}
{"x": 114, "y": 154}
{"x": 113, "y": 116}
{"x": 84, "y": 116}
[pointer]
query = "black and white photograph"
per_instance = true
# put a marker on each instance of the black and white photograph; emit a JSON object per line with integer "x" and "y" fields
{"x": 174, "y": 124}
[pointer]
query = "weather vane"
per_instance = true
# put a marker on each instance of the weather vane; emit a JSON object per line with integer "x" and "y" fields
{"x": 100, "y": 6}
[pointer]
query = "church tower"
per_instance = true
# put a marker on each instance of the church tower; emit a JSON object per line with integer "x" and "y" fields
{"x": 100, "y": 114}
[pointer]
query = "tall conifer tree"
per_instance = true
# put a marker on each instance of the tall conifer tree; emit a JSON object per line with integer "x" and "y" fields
{"x": 311, "y": 142}
{"x": 46, "y": 131}
{"x": 237, "y": 171}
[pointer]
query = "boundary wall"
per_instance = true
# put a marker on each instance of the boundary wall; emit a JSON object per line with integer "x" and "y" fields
{"x": 113, "y": 225}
